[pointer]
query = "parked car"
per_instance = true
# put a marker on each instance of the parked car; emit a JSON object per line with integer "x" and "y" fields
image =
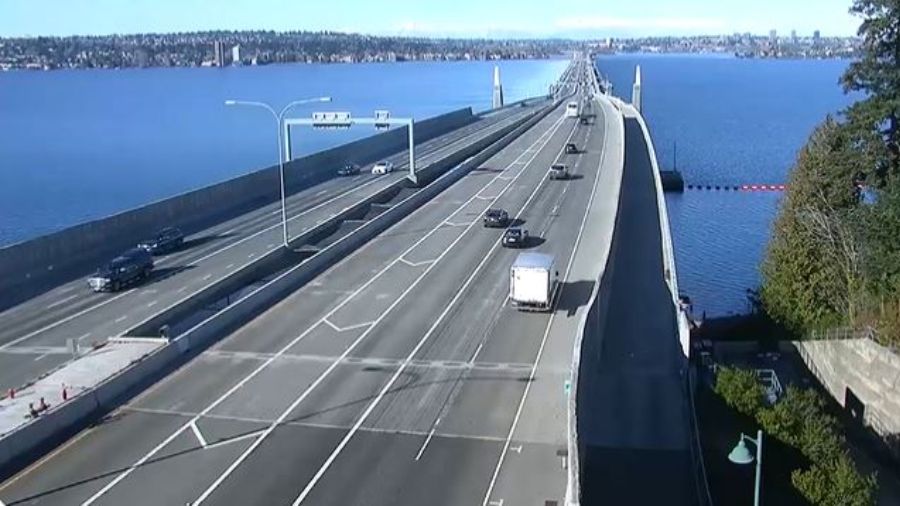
{"x": 168, "y": 239}
{"x": 496, "y": 218}
{"x": 351, "y": 169}
{"x": 130, "y": 267}
{"x": 515, "y": 237}
{"x": 559, "y": 171}
{"x": 571, "y": 148}
{"x": 383, "y": 167}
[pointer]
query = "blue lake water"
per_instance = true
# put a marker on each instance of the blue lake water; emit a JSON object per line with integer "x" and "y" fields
{"x": 734, "y": 121}
{"x": 80, "y": 145}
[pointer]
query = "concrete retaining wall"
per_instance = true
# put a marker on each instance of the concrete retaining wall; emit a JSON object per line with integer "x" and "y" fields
{"x": 864, "y": 377}
{"x": 27, "y": 443}
{"x": 34, "y": 266}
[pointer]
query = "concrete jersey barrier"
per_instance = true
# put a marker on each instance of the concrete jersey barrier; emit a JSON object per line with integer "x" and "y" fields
{"x": 30, "y": 267}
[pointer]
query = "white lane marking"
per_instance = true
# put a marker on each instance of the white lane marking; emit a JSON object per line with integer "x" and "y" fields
{"x": 417, "y": 264}
{"x": 224, "y": 442}
{"x": 409, "y": 358}
{"x": 228, "y": 267}
{"x": 63, "y": 301}
{"x": 152, "y": 303}
{"x": 454, "y": 224}
{"x": 206, "y": 277}
{"x": 64, "y": 320}
{"x": 41, "y": 357}
{"x": 182, "y": 289}
{"x": 477, "y": 351}
{"x": 541, "y": 140}
{"x": 124, "y": 474}
{"x": 121, "y": 318}
{"x": 537, "y": 360}
{"x": 199, "y": 435}
{"x": 62, "y": 290}
{"x": 345, "y": 329}
{"x": 323, "y": 192}
{"x": 251, "y": 255}
{"x": 270, "y": 245}
{"x": 498, "y": 502}
{"x": 425, "y": 444}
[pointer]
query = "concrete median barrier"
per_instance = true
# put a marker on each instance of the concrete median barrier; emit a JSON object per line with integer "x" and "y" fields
{"x": 33, "y": 266}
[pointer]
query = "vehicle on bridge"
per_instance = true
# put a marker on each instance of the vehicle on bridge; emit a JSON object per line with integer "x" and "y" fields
{"x": 351, "y": 169}
{"x": 559, "y": 171}
{"x": 571, "y": 148}
{"x": 496, "y": 218}
{"x": 572, "y": 110}
{"x": 533, "y": 282}
{"x": 383, "y": 167}
{"x": 168, "y": 239}
{"x": 130, "y": 267}
{"x": 515, "y": 238}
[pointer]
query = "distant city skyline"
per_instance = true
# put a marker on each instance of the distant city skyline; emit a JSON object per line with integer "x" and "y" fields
{"x": 577, "y": 19}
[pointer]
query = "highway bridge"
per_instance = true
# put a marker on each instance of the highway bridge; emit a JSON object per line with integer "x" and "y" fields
{"x": 401, "y": 374}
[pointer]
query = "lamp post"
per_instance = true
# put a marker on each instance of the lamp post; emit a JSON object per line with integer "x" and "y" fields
{"x": 741, "y": 455}
{"x": 279, "y": 119}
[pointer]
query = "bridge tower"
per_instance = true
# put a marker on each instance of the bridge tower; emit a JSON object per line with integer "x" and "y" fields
{"x": 636, "y": 89}
{"x": 497, "y": 101}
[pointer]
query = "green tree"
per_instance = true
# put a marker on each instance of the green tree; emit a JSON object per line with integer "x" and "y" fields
{"x": 835, "y": 483}
{"x": 812, "y": 271}
{"x": 877, "y": 74}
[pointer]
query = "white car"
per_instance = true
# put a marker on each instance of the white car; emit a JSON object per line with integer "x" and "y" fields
{"x": 382, "y": 168}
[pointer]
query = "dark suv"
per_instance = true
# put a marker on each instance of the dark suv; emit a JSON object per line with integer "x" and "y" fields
{"x": 496, "y": 218}
{"x": 168, "y": 239}
{"x": 571, "y": 148}
{"x": 132, "y": 266}
{"x": 351, "y": 169}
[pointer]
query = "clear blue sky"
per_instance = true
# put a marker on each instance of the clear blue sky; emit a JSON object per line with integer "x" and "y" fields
{"x": 465, "y": 18}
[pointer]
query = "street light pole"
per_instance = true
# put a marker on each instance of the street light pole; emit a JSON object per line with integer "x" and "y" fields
{"x": 279, "y": 120}
{"x": 741, "y": 455}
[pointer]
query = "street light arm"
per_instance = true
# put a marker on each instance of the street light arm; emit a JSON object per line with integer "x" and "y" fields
{"x": 295, "y": 103}
{"x": 251, "y": 103}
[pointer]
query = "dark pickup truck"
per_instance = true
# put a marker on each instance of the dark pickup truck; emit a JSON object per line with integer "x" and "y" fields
{"x": 168, "y": 239}
{"x": 130, "y": 267}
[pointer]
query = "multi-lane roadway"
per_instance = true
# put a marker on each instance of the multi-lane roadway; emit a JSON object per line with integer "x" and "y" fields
{"x": 34, "y": 334}
{"x": 399, "y": 376}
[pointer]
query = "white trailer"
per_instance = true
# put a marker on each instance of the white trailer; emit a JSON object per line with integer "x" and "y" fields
{"x": 533, "y": 282}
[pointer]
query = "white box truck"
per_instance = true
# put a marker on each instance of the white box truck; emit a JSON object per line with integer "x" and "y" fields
{"x": 533, "y": 282}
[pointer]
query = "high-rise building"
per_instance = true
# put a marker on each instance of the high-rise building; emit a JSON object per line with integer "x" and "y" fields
{"x": 773, "y": 36}
{"x": 236, "y": 55}
{"x": 817, "y": 36}
{"x": 793, "y": 36}
{"x": 219, "y": 53}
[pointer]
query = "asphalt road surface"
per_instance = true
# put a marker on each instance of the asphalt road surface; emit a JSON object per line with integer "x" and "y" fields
{"x": 393, "y": 378}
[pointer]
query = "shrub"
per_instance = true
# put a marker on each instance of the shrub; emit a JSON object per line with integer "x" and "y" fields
{"x": 740, "y": 389}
